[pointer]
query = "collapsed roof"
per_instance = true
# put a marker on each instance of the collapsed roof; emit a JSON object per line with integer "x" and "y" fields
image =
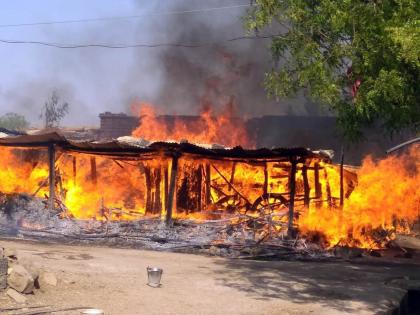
{"x": 134, "y": 147}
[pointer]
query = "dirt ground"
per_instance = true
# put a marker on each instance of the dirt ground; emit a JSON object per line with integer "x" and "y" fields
{"x": 115, "y": 281}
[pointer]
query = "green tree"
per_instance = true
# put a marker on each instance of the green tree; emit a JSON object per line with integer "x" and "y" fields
{"x": 359, "y": 58}
{"x": 13, "y": 121}
{"x": 53, "y": 111}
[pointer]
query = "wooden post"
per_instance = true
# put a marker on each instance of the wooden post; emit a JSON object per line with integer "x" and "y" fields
{"x": 208, "y": 184}
{"x": 328, "y": 189}
{"x": 306, "y": 188}
{"x": 318, "y": 187}
{"x": 171, "y": 191}
{"x": 265, "y": 187}
{"x": 149, "y": 199}
{"x": 292, "y": 188}
{"x": 74, "y": 169}
{"x": 157, "y": 204}
{"x": 93, "y": 172}
{"x": 166, "y": 184}
{"x": 199, "y": 188}
{"x": 232, "y": 175}
{"x": 51, "y": 164}
{"x": 342, "y": 178}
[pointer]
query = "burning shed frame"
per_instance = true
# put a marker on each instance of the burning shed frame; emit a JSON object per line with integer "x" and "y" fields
{"x": 179, "y": 180}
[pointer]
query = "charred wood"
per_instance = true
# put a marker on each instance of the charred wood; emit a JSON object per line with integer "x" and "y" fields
{"x": 171, "y": 191}
{"x": 208, "y": 184}
{"x": 232, "y": 186}
{"x": 306, "y": 187}
{"x": 93, "y": 172}
{"x": 292, "y": 187}
{"x": 51, "y": 179}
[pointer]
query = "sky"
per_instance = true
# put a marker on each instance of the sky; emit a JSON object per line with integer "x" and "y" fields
{"x": 94, "y": 80}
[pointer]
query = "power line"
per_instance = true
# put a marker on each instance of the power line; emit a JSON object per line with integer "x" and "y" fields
{"x": 115, "y": 18}
{"x": 136, "y": 45}
{"x": 113, "y": 46}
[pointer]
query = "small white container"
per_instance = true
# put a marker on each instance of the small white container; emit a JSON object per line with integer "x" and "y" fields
{"x": 93, "y": 311}
{"x": 154, "y": 274}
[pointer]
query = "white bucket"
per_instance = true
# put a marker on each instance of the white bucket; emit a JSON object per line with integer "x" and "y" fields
{"x": 93, "y": 311}
{"x": 154, "y": 275}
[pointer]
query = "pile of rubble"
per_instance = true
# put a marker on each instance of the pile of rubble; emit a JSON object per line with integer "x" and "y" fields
{"x": 19, "y": 279}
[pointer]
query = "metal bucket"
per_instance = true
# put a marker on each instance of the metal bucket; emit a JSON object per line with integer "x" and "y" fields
{"x": 93, "y": 311}
{"x": 154, "y": 274}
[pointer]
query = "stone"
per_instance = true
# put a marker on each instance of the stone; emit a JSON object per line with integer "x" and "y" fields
{"x": 10, "y": 253}
{"x": 16, "y": 296}
{"x": 214, "y": 250}
{"x": 47, "y": 279}
{"x": 21, "y": 280}
{"x": 33, "y": 270}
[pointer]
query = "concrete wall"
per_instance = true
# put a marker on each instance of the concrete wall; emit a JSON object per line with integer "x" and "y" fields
{"x": 116, "y": 125}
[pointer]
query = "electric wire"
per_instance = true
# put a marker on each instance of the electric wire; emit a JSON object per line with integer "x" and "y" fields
{"x": 135, "y": 45}
{"x": 129, "y": 17}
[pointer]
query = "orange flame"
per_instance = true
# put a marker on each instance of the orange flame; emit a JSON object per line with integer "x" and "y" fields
{"x": 386, "y": 199}
{"x": 211, "y": 127}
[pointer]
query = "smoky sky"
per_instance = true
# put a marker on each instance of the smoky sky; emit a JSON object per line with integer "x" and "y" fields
{"x": 176, "y": 79}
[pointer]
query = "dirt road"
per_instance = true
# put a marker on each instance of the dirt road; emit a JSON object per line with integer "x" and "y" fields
{"x": 115, "y": 280}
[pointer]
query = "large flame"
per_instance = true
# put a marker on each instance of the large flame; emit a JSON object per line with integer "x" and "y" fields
{"x": 385, "y": 200}
{"x": 211, "y": 127}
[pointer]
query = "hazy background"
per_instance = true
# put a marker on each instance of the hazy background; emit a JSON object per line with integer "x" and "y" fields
{"x": 95, "y": 80}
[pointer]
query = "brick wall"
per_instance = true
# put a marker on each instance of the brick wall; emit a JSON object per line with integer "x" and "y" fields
{"x": 315, "y": 132}
{"x": 116, "y": 125}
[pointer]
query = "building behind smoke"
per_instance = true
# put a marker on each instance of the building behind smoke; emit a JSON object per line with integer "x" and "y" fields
{"x": 315, "y": 132}
{"x": 116, "y": 125}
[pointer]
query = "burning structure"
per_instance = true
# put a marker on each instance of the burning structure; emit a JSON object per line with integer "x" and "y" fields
{"x": 258, "y": 195}
{"x": 268, "y": 131}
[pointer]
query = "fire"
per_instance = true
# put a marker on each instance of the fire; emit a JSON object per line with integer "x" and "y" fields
{"x": 16, "y": 178}
{"x": 383, "y": 199}
{"x": 386, "y": 200}
{"x": 87, "y": 187}
{"x": 211, "y": 128}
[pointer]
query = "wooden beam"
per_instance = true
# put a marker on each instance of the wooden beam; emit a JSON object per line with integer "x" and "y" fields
{"x": 265, "y": 187}
{"x": 199, "y": 182}
{"x": 306, "y": 187}
{"x": 74, "y": 169}
{"x": 157, "y": 204}
{"x": 166, "y": 184}
{"x": 148, "y": 181}
{"x": 208, "y": 184}
{"x": 328, "y": 189}
{"x": 233, "y": 187}
{"x": 93, "y": 172}
{"x": 292, "y": 189}
{"x": 232, "y": 175}
{"x": 51, "y": 178}
{"x": 318, "y": 186}
{"x": 342, "y": 178}
{"x": 171, "y": 191}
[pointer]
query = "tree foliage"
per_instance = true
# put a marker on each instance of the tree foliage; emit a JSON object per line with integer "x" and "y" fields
{"x": 359, "y": 58}
{"x": 53, "y": 111}
{"x": 13, "y": 121}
